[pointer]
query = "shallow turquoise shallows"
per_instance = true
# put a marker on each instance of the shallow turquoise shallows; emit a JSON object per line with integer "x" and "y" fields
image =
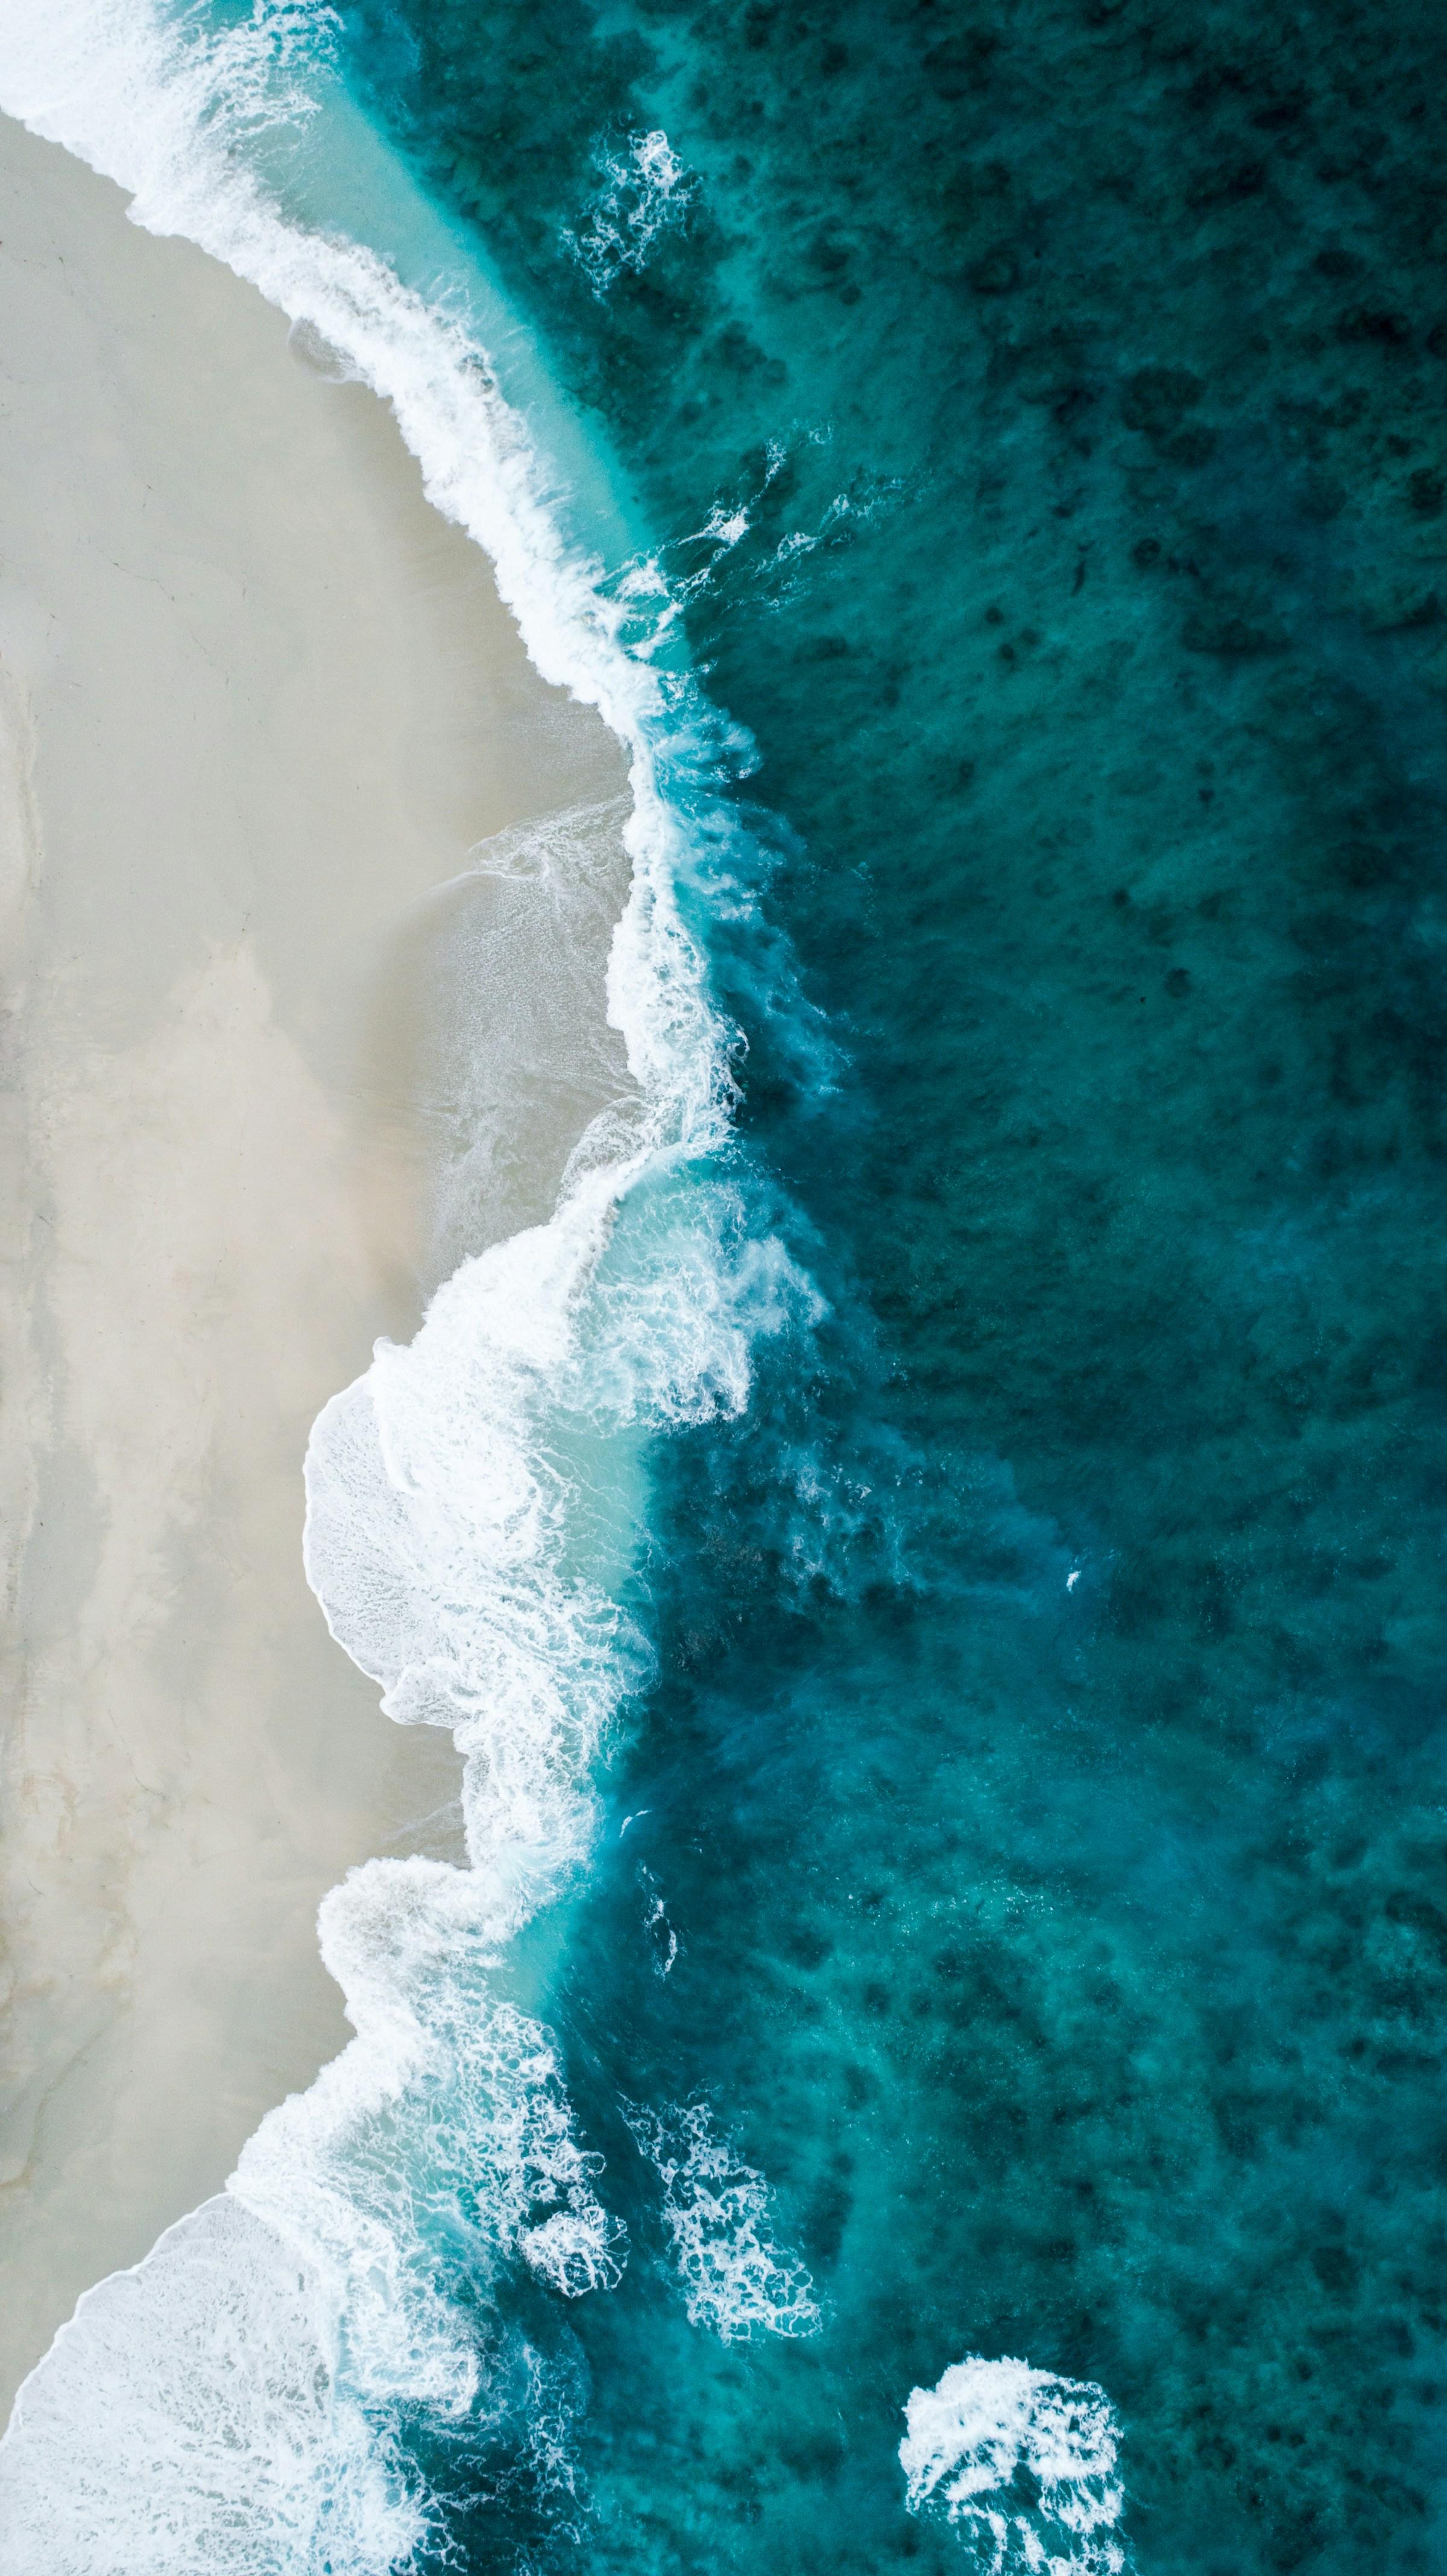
{"x": 1028, "y": 1855}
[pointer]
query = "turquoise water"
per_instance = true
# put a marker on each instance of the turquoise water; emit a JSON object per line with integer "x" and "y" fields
{"x": 1053, "y": 1834}
{"x": 1017, "y": 1926}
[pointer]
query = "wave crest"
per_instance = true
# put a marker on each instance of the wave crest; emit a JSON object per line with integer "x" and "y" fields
{"x": 1023, "y": 2463}
{"x": 737, "y": 2282}
{"x": 475, "y": 1502}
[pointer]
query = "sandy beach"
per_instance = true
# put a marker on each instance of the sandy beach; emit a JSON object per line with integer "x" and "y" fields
{"x": 258, "y": 703}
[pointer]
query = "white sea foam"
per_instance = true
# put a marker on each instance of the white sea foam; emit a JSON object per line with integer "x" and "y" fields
{"x": 440, "y": 2141}
{"x": 1023, "y": 2463}
{"x": 471, "y": 1507}
{"x": 642, "y": 192}
{"x": 187, "y": 2419}
{"x": 736, "y": 2281}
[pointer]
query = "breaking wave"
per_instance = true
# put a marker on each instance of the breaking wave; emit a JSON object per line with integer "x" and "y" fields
{"x": 736, "y": 2281}
{"x": 1022, "y": 2463}
{"x": 474, "y": 1509}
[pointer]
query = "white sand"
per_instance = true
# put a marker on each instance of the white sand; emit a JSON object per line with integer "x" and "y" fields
{"x": 256, "y": 702}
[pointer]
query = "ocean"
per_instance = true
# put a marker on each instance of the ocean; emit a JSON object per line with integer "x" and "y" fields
{"x": 933, "y": 1555}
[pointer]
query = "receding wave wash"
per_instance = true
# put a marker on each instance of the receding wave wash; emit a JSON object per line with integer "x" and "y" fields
{"x": 932, "y": 1554}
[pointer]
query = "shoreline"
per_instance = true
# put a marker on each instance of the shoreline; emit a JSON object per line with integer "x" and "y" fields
{"x": 259, "y": 705}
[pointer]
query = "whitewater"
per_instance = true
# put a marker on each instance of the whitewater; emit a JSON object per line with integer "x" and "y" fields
{"x": 473, "y": 1514}
{"x": 258, "y": 2396}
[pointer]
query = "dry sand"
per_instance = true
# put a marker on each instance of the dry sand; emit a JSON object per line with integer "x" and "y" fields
{"x": 257, "y": 702}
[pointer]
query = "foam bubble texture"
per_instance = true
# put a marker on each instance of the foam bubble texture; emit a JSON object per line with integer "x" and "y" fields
{"x": 1023, "y": 2463}
{"x": 438, "y": 2147}
{"x": 472, "y": 1511}
{"x": 641, "y": 192}
{"x": 441, "y": 1543}
{"x": 736, "y": 2281}
{"x": 187, "y": 2418}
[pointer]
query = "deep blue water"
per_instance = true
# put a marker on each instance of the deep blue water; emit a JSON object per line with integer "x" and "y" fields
{"x": 1070, "y": 1956}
